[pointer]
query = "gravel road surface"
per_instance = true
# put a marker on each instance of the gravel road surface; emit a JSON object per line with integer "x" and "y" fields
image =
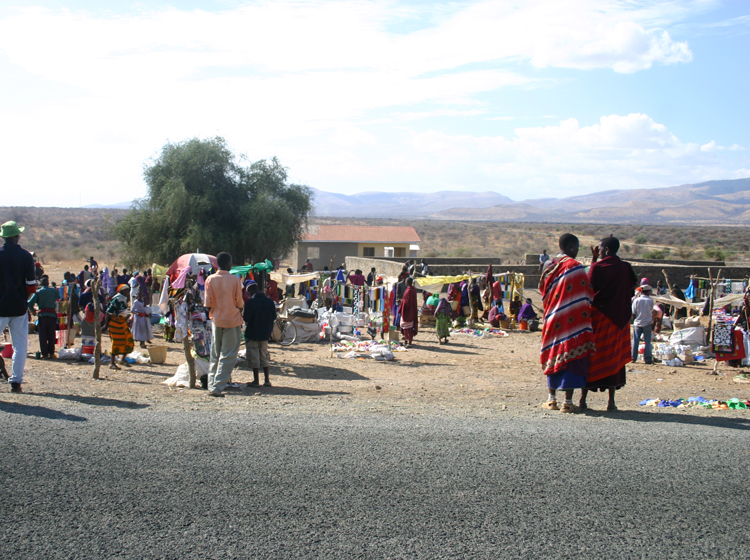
{"x": 103, "y": 478}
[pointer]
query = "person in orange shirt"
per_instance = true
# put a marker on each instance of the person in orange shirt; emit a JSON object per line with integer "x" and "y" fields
{"x": 224, "y": 301}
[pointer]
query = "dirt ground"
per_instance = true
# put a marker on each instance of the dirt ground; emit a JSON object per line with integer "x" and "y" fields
{"x": 472, "y": 375}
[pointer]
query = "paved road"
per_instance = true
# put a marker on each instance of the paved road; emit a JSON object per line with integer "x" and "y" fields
{"x": 106, "y": 480}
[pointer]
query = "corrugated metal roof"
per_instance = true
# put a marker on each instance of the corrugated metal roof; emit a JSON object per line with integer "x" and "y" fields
{"x": 362, "y": 234}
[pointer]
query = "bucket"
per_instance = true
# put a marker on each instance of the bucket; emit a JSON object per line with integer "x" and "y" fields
{"x": 87, "y": 349}
{"x": 523, "y": 325}
{"x": 7, "y": 351}
{"x": 505, "y": 324}
{"x": 158, "y": 354}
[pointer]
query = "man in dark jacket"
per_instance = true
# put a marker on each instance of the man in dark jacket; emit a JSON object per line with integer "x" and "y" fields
{"x": 259, "y": 315}
{"x": 17, "y": 283}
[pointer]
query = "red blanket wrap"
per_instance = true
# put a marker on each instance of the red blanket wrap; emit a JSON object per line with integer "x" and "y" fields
{"x": 566, "y": 333}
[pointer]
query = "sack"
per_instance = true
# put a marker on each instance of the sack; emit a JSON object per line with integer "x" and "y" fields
{"x": 302, "y": 313}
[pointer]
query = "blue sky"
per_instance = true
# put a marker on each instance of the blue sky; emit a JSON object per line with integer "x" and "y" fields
{"x": 533, "y": 98}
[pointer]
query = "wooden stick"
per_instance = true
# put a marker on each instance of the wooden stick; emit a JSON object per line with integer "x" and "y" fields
{"x": 471, "y": 306}
{"x": 97, "y": 328}
{"x": 710, "y": 306}
{"x": 187, "y": 349}
{"x": 672, "y": 308}
{"x": 186, "y": 345}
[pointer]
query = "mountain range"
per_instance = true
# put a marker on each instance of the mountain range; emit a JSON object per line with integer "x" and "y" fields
{"x": 725, "y": 202}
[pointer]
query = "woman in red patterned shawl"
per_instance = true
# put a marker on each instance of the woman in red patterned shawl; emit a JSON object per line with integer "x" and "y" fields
{"x": 409, "y": 311}
{"x": 613, "y": 282}
{"x": 567, "y": 338}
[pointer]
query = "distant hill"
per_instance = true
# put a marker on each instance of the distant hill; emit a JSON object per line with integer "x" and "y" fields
{"x": 709, "y": 203}
{"x": 712, "y": 202}
{"x": 118, "y": 205}
{"x": 381, "y": 205}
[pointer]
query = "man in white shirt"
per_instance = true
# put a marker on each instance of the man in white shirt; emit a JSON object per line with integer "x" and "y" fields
{"x": 643, "y": 309}
{"x": 543, "y": 258}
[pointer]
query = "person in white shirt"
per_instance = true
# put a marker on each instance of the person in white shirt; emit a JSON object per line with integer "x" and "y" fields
{"x": 643, "y": 310}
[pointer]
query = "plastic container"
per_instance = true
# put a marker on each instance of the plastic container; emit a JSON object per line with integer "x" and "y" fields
{"x": 87, "y": 350}
{"x": 158, "y": 354}
{"x": 7, "y": 351}
{"x": 523, "y": 325}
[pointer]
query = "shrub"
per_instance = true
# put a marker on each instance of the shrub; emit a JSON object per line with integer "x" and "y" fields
{"x": 655, "y": 254}
{"x": 715, "y": 254}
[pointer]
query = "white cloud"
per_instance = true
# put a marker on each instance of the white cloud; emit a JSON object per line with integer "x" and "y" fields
{"x": 617, "y": 152}
{"x": 330, "y": 87}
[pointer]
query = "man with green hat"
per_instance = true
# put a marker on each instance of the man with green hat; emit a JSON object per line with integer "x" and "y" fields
{"x": 17, "y": 283}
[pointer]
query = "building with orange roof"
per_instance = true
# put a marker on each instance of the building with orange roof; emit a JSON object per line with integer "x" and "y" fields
{"x": 324, "y": 244}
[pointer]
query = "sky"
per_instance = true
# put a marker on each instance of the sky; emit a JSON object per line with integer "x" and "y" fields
{"x": 528, "y": 98}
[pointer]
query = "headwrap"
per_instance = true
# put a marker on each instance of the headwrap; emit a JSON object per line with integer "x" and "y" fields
{"x": 143, "y": 289}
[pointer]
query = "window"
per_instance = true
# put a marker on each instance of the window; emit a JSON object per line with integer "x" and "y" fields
{"x": 388, "y": 252}
{"x": 313, "y": 252}
{"x": 368, "y": 251}
{"x": 400, "y": 252}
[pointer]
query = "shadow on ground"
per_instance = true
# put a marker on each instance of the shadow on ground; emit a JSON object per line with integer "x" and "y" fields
{"x": 638, "y": 416}
{"x": 448, "y": 349}
{"x": 94, "y": 401}
{"x": 39, "y": 411}
{"x": 281, "y": 391}
{"x": 319, "y": 372}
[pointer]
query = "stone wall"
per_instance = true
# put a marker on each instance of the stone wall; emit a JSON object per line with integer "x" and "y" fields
{"x": 679, "y": 262}
{"x": 678, "y": 274}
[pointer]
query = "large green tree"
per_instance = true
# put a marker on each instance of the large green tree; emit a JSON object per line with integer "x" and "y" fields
{"x": 201, "y": 197}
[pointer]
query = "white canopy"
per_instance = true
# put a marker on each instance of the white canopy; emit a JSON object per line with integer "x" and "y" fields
{"x": 721, "y": 302}
{"x": 284, "y": 278}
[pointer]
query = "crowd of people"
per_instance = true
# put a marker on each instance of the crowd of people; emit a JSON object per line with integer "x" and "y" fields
{"x": 586, "y": 328}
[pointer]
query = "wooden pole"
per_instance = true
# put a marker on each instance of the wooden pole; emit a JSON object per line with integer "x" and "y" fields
{"x": 711, "y": 299}
{"x": 187, "y": 347}
{"x": 672, "y": 308}
{"x": 471, "y": 305}
{"x": 97, "y": 327}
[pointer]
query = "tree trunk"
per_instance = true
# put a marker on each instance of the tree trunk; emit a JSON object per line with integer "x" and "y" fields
{"x": 97, "y": 328}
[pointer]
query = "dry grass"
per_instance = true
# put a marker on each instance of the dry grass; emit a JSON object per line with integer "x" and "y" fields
{"x": 72, "y": 234}
{"x": 66, "y": 234}
{"x": 510, "y": 241}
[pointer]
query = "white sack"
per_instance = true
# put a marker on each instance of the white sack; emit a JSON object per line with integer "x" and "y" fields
{"x": 693, "y": 336}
